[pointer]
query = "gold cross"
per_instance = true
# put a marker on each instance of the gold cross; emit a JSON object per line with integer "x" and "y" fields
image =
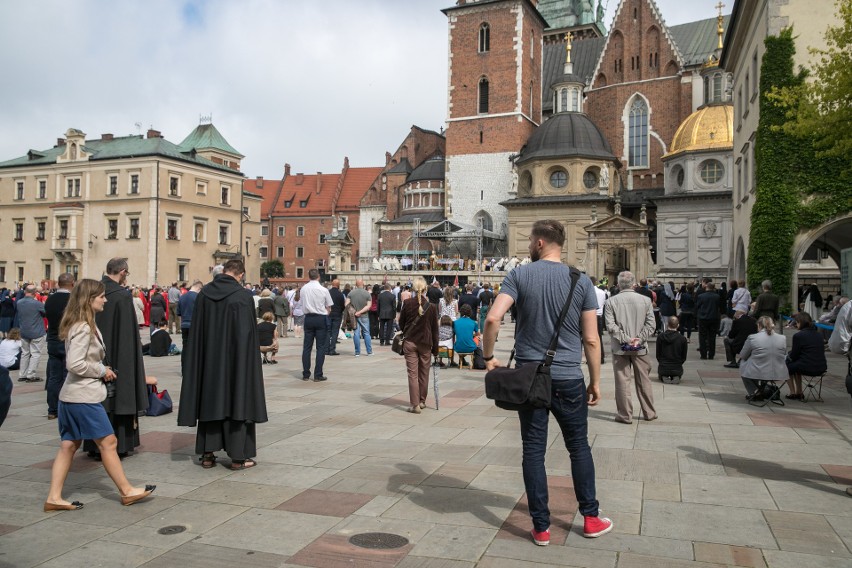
{"x": 719, "y": 7}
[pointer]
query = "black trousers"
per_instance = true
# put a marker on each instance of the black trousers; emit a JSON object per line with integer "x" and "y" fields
{"x": 385, "y": 331}
{"x": 600, "y": 334}
{"x": 707, "y": 332}
{"x": 334, "y": 321}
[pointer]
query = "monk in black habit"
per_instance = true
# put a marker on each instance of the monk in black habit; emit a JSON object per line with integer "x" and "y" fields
{"x": 120, "y": 330}
{"x": 223, "y": 382}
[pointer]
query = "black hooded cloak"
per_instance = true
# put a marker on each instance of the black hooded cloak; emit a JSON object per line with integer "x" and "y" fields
{"x": 223, "y": 379}
{"x": 117, "y": 323}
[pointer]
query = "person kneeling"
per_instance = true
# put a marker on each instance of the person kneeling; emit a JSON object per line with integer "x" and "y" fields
{"x": 672, "y": 348}
{"x": 267, "y": 335}
{"x": 161, "y": 341}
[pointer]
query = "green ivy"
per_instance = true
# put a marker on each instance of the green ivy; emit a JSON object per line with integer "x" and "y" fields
{"x": 795, "y": 189}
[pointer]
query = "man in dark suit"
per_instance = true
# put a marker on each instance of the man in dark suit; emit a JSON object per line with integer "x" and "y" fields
{"x": 743, "y": 326}
{"x": 54, "y": 308}
{"x": 335, "y": 316}
{"x": 387, "y": 314}
{"x": 709, "y": 316}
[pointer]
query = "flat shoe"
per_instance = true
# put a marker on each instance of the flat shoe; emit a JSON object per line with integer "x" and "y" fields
{"x": 131, "y": 499}
{"x": 48, "y": 507}
{"x": 245, "y": 464}
{"x": 414, "y": 410}
{"x": 422, "y": 405}
{"x": 207, "y": 462}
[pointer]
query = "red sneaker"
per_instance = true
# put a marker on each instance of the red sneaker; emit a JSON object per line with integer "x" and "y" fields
{"x": 541, "y": 538}
{"x": 596, "y": 526}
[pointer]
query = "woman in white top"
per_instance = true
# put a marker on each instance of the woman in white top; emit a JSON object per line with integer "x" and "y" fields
{"x": 448, "y": 305}
{"x": 9, "y": 349}
{"x": 81, "y": 414}
{"x": 741, "y": 300}
{"x": 138, "y": 307}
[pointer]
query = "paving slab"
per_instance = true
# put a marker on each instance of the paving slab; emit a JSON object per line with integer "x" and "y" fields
{"x": 104, "y": 553}
{"x": 556, "y": 555}
{"x": 728, "y": 491}
{"x": 729, "y": 555}
{"x": 28, "y": 546}
{"x": 242, "y": 493}
{"x": 811, "y": 497}
{"x": 455, "y": 543}
{"x": 785, "y": 559}
{"x": 631, "y": 560}
{"x": 195, "y": 555}
{"x": 706, "y": 523}
{"x": 802, "y": 532}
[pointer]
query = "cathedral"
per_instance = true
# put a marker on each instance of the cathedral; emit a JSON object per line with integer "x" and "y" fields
{"x": 624, "y": 135}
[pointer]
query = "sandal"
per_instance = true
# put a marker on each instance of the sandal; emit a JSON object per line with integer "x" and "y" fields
{"x": 244, "y": 464}
{"x": 208, "y": 461}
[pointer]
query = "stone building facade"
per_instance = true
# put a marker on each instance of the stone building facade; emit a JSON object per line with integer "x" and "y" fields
{"x": 175, "y": 210}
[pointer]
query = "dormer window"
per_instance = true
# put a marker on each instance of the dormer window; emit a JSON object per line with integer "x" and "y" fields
{"x": 484, "y": 38}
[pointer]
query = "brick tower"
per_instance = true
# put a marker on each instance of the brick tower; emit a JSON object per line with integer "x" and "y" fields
{"x": 494, "y": 103}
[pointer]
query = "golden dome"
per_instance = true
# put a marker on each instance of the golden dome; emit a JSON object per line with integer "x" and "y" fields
{"x": 708, "y": 128}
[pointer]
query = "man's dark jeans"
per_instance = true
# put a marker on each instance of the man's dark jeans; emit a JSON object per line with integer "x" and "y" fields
{"x": 707, "y": 332}
{"x": 385, "y": 331}
{"x": 56, "y": 373}
{"x": 316, "y": 327}
{"x": 334, "y": 321}
{"x": 571, "y": 410}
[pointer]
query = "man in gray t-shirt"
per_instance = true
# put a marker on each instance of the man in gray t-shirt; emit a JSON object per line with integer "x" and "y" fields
{"x": 361, "y": 301}
{"x": 539, "y": 290}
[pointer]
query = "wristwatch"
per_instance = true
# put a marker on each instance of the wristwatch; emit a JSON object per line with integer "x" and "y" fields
{"x": 488, "y": 358}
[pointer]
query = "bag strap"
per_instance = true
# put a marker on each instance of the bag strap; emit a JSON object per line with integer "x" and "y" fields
{"x": 554, "y": 341}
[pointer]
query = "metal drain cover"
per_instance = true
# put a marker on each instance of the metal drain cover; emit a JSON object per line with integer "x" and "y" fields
{"x": 172, "y": 529}
{"x": 378, "y": 540}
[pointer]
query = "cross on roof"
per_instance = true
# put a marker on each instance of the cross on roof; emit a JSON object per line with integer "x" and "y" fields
{"x": 719, "y": 7}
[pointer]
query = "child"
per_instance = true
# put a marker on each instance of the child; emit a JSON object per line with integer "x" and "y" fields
{"x": 671, "y": 353}
{"x": 445, "y": 334}
{"x": 10, "y": 350}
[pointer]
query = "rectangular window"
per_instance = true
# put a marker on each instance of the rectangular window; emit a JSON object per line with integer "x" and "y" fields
{"x": 263, "y": 252}
{"x": 174, "y": 186}
{"x": 112, "y": 229}
{"x": 201, "y": 188}
{"x": 40, "y": 229}
{"x": 279, "y": 252}
{"x": 754, "y": 73}
{"x": 300, "y": 231}
{"x": 280, "y": 230}
{"x": 223, "y": 234}
{"x": 19, "y": 231}
{"x": 113, "y": 185}
{"x": 300, "y": 273}
{"x": 42, "y": 189}
{"x": 182, "y": 272}
{"x": 172, "y": 229}
{"x": 134, "y": 228}
{"x": 47, "y": 272}
{"x": 63, "y": 228}
{"x": 21, "y": 273}
{"x": 19, "y": 191}
{"x": 134, "y": 184}
{"x": 226, "y": 195}
{"x": 300, "y": 252}
{"x": 73, "y": 187}
{"x": 2, "y": 273}
{"x": 264, "y": 230}
{"x": 322, "y": 239}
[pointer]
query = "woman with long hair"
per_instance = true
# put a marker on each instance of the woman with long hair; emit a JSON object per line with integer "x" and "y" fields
{"x": 419, "y": 324}
{"x": 81, "y": 414}
{"x": 298, "y": 313}
{"x": 448, "y": 305}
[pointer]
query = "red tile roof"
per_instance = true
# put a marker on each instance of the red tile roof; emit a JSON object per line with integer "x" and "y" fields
{"x": 300, "y": 189}
{"x": 268, "y": 190}
{"x": 355, "y": 185}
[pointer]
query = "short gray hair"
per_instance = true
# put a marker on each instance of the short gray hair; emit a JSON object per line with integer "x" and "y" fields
{"x": 766, "y": 285}
{"x": 218, "y": 269}
{"x": 626, "y": 280}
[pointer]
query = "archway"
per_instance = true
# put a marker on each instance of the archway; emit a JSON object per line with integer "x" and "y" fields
{"x": 827, "y": 241}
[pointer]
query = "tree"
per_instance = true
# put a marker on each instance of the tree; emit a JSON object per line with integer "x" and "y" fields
{"x": 272, "y": 269}
{"x": 822, "y": 108}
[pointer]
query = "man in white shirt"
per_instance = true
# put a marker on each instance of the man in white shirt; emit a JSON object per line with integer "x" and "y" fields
{"x": 316, "y": 303}
{"x": 601, "y": 295}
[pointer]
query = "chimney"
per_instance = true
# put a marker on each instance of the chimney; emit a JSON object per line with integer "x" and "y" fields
{"x": 286, "y": 169}
{"x": 319, "y": 182}
{"x": 387, "y": 158}
{"x": 154, "y": 133}
{"x": 259, "y": 182}
{"x": 107, "y": 136}
{"x": 300, "y": 178}
{"x": 60, "y": 141}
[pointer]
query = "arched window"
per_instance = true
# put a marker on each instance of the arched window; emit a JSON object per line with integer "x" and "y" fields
{"x": 637, "y": 135}
{"x": 483, "y": 96}
{"x": 487, "y": 223}
{"x": 717, "y": 88}
{"x": 563, "y": 99}
{"x": 484, "y": 38}
{"x": 575, "y": 100}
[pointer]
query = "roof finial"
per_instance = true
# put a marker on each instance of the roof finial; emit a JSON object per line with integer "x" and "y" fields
{"x": 568, "y": 38}
{"x": 720, "y": 30}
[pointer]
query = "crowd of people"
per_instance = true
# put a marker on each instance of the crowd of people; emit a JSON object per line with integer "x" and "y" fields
{"x": 96, "y": 384}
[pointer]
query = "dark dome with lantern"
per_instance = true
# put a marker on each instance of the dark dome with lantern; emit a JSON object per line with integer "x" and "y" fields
{"x": 566, "y": 135}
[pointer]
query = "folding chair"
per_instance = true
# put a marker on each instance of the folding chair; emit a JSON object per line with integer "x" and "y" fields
{"x": 812, "y": 388}
{"x": 465, "y": 357}
{"x": 774, "y": 398}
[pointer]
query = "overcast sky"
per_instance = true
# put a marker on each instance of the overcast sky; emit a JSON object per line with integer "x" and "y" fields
{"x": 305, "y": 82}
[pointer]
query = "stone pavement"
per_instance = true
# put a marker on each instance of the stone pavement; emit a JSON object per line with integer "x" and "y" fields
{"x": 713, "y": 482}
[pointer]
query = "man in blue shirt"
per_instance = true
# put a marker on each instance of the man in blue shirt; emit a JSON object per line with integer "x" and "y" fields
{"x": 33, "y": 334}
{"x": 185, "y": 305}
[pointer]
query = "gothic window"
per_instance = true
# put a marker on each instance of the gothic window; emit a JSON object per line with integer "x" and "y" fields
{"x": 638, "y": 134}
{"x": 487, "y": 223}
{"x": 484, "y": 38}
{"x": 483, "y": 96}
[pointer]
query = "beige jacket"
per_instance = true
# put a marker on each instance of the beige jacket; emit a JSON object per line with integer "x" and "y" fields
{"x": 628, "y": 315}
{"x": 84, "y": 353}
